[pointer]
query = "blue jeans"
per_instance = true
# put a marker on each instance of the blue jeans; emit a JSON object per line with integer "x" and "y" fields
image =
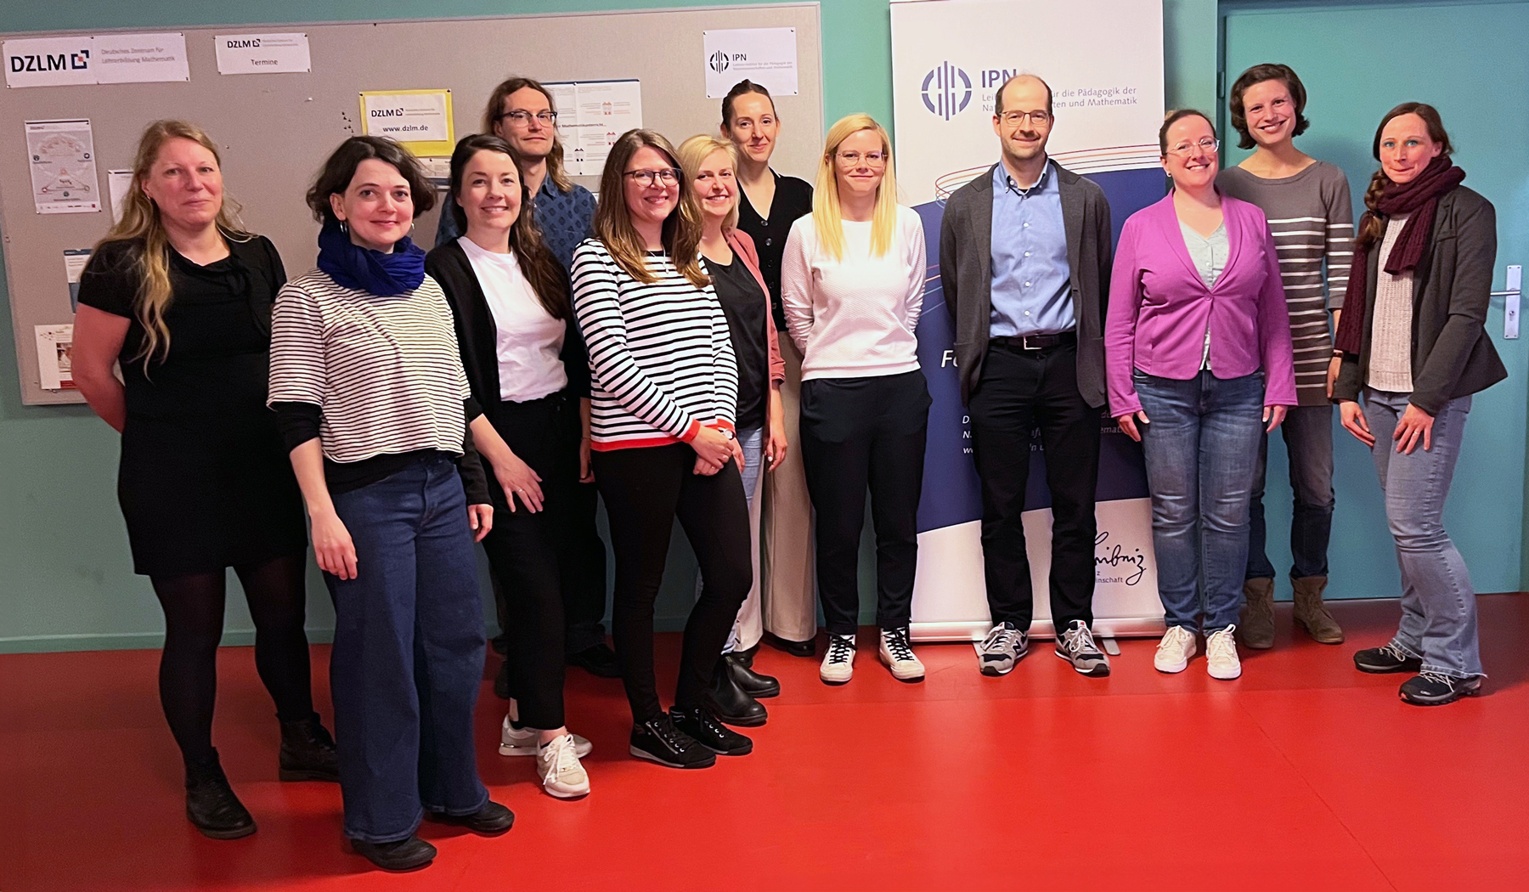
{"x": 1308, "y": 432}
{"x": 1438, "y": 604}
{"x": 1200, "y": 448}
{"x": 408, "y": 653}
{"x": 752, "y": 441}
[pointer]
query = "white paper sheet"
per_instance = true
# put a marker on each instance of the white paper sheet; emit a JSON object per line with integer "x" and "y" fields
{"x": 592, "y": 115}
{"x": 140, "y": 58}
{"x": 74, "y": 264}
{"x": 117, "y": 184}
{"x": 766, "y": 56}
{"x": 55, "y": 360}
{"x": 63, "y": 162}
{"x": 262, "y": 53}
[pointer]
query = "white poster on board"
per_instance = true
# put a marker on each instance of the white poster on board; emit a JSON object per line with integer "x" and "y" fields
{"x": 140, "y": 58}
{"x": 766, "y": 56}
{"x": 48, "y": 62}
{"x": 117, "y": 184}
{"x": 592, "y": 115}
{"x": 63, "y": 163}
{"x": 408, "y": 115}
{"x": 948, "y": 62}
{"x": 262, "y": 53}
{"x": 55, "y": 356}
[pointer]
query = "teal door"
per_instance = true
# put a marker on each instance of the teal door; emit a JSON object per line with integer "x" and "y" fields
{"x": 1357, "y": 61}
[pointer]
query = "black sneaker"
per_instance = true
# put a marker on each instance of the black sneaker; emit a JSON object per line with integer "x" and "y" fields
{"x": 1389, "y": 658}
{"x": 598, "y": 660}
{"x": 1434, "y": 689}
{"x": 211, "y": 805}
{"x": 657, "y": 740}
{"x": 490, "y": 820}
{"x": 400, "y": 855}
{"x": 707, "y": 730}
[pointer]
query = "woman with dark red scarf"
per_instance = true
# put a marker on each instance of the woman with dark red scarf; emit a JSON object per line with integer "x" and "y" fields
{"x": 1417, "y": 352}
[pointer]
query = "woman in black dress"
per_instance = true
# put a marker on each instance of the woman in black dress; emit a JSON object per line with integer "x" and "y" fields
{"x": 181, "y": 297}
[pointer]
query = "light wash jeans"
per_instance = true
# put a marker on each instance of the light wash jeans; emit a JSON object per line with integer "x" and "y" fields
{"x": 748, "y": 628}
{"x": 1438, "y": 604}
{"x": 1200, "y": 448}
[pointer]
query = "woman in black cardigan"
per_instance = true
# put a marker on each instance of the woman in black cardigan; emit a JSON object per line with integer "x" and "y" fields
{"x": 527, "y": 367}
{"x": 1418, "y": 350}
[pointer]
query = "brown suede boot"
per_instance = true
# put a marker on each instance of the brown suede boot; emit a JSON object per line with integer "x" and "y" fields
{"x": 1256, "y": 623}
{"x": 1311, "y": 613}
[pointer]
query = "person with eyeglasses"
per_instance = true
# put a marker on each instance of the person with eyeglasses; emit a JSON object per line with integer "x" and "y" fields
{"x": 768, "y": 204}
{"x": 1413, "y": 344}
{"x": 664, "y": 391}
{"x": 1198, "y": 368}
{"x": 1025, "y": 263}
{"x": 852, "y": 284}
{"x": 520, "y": 111}
{"x": 1307, "y": 203}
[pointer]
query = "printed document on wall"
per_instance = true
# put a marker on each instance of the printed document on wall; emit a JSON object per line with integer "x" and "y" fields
{"x": 55, "y": 356}
{"x": 63, "y": 162}
{"x": 592, "y": 115}
{"x": 766, "y": 56}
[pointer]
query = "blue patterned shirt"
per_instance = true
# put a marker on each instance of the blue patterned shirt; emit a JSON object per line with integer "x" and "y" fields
{"x": 1032, "y": 282}
{"x": 564, "y": 218}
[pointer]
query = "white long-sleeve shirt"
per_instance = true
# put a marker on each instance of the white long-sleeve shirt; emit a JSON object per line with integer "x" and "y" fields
{"x": 855, "y": 317}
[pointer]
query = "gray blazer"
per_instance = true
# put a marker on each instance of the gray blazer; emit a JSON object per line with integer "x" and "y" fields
{"x": 1452, "y": 355}
{"x": 966, "y": 259}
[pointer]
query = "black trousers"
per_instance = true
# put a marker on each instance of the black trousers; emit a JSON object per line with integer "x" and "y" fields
{"x": 1021, "y": 392}
{"x": 583, "y": 554}
{"x": 860, "y": 433}
{"x": 527, "y": 554}
{"x": 645, "y": 489}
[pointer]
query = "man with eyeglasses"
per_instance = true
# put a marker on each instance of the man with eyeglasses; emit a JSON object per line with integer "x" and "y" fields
{"x": 1025, "y": 258}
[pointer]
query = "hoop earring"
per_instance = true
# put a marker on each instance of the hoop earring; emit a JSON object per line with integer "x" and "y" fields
{"x": 344, "y": 227}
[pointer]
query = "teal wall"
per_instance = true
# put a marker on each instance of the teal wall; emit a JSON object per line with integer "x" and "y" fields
{"x": 65, "y": 575}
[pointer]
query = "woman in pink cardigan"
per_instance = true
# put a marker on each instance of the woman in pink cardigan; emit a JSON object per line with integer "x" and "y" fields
{"x": 1198, "y": 366}
{"x": 711, "y": 165}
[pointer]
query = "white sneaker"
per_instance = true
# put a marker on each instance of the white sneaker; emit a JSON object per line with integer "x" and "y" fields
{"x": 839, "y": 661}
{"x": 557, "y": 763}
{"x": 522, "y": 741}
{"x": 1174, "y": 651}
{"x": 1221, "y": 654}
{"x": 897, "y": 653}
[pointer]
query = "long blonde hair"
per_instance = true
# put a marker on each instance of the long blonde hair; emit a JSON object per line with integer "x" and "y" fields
{"x": 140, "y": 222}
{"x": 826, "y": 216}
{"x": 694, "y": 152}
{"x": 613, "y": 222}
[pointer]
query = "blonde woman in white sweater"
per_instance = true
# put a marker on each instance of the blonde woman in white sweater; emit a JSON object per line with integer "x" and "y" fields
{"x": 852, "y": 285}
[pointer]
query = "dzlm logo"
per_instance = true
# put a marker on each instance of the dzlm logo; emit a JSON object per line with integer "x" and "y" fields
{"x": 718, "y": 61}
{"x": 947, "y": 90}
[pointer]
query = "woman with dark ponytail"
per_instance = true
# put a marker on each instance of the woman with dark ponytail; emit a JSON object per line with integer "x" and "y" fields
{"x": 1414, "y": 343}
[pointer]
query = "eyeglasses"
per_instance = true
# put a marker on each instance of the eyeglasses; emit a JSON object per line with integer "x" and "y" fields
{"x": 522, "y": 118}
{"x": 666, "y": 175}
{"x": 1207, "y": 145}
{"x": 1016, "y": 118}
{"x": 871, "y": 159}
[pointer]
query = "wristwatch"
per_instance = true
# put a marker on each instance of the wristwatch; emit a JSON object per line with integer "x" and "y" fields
{"x": 728, "y": 433}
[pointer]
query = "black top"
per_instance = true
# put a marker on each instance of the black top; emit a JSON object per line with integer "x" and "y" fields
{"x": 220, "y": 317}
{"x": 743, "y": 305}
{"x": 793, "y": 199}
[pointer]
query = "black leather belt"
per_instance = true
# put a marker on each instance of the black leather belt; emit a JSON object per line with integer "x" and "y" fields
{"x": 1035, "y": 341}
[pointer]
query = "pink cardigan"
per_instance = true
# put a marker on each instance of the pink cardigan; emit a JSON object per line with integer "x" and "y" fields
{"x": 743, "y": 246}
{"x": 1159, "y": 307}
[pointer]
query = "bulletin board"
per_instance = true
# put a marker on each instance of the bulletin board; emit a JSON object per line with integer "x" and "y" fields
{"x": 275, "y": 129}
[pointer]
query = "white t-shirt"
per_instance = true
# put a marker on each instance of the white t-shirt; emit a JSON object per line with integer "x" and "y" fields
{"x": 529, "y": 340}
{"x": 855, "y": 317}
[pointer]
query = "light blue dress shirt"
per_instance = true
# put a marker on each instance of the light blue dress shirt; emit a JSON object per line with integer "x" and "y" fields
{"x": 1032, "y": 291}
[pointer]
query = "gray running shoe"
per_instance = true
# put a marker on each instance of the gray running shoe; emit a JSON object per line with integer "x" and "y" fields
{"x": 1001, "y": 649}
{"x": 1076, "y": 646}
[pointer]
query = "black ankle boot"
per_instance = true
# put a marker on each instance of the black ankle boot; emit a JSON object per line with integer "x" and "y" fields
{"x": 753, "y": 683}
{"x": 732, "y": 703}
{"x": 307, "y": 752}
{"x": 211, "y": 804}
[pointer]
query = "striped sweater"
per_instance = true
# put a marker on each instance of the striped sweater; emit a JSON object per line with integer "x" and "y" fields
{"x": 384, "y": 371}
{"x": 660, "y": 355}
{"x": 1312, "y": 219}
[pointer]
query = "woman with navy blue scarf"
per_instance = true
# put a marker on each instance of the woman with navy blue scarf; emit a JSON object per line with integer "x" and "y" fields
{"x": 374, "y": 405}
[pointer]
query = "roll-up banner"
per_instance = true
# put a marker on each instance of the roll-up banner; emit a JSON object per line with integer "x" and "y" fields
{"x": 1104, "y": 62}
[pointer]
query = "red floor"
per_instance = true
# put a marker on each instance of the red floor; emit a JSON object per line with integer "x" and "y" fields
{"x": 1304, "y": 774}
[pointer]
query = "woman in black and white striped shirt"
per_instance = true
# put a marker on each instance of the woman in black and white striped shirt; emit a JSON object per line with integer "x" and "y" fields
{"x": 374, "y": 405}
{"x": 663, "y": 397}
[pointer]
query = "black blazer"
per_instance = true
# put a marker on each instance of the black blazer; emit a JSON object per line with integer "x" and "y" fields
{"x": 1452, "y": 355}
{"x": 477, "y": 334}
{"x": 966, "y": 274}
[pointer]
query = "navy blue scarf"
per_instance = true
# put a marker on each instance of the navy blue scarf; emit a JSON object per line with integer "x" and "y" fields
{"x": 374, "y": 272}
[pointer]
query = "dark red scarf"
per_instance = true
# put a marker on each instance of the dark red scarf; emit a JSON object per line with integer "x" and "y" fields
{"x": 1420, "y": 198}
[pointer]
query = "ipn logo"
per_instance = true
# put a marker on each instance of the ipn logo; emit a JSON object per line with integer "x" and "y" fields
{"x": 947, "y": 90}
{"x": 718, "y": 62}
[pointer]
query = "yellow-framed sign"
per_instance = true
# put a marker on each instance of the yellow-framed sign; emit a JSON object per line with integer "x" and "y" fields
{"x": 418, "y": 119}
